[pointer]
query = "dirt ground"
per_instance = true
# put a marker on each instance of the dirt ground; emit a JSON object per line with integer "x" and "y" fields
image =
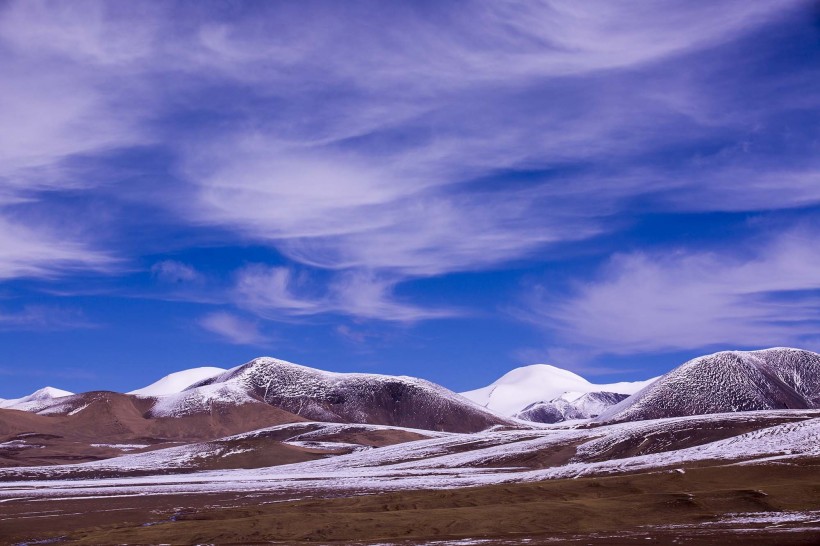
{"x": 694, "y": 507}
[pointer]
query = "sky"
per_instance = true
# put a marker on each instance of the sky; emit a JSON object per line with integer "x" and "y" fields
{"x": 439, "y": 189}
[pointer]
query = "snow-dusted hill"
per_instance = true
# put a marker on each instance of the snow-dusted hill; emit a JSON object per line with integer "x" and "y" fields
{"x": 327, "y": 396}
{"x": 522, "y": 387}
{"x": 729, "y": 381}
{"x": 443, "y": 461}
{"x": 178, "y": 381}
{"x": 36, "y": 400}
{"x": 570, "y": 406}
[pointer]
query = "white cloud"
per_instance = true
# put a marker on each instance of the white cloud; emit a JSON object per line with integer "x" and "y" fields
{"x": 662, "y": 301}
{"x": 376, "y": 178}
{"x": 232, "y": 328}
{"x": 278, "y": 293}
{"x": 25, "y": 252}
{"x": 274, "y": 289}
{"x": 367, "y": 148}
{"x": 59, "y": 104}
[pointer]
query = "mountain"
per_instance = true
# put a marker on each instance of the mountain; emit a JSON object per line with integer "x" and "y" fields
{"x": 36, "y": 400}
{"x": 728, "y": 381}
{"x": 178, "y": 381}
{"x": 538, "y": 383}
{"x": 262, "y": 393}
{"x": 101, "y": 424}
{"x": 338, "y": 397}
{"x": 570, "y": 406}
{"x": 276, "y": 392}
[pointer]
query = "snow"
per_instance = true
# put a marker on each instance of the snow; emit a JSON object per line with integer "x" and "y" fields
{"x": 76, "y": 410}
{"x": 327, "y": 396}
{"x": 35, "y": 400}
{"x": 446, "y": 461}
{"x": 569, "y": 406}
{"x": 17, "y": 444}
{"x": 728, "y": 381}
{"x": 178, "y": 381}
{"x": 327, "y": 446}
{"x": 199, "y": 399}
{"x": 123, "y": 447}
{"x": 521, "y": 387}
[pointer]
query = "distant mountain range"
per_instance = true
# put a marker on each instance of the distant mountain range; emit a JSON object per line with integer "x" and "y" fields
{"x": 270, "y": 427}
{"x": 267, "y": 392}
{"x": 570, "y": 406}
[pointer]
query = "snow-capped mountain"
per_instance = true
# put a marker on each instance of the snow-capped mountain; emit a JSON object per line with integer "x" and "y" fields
{"x": 38, "y": 399}
{"x": 522, "y": 387}
{"x": 570, "y": 406}
{"x": 178, "y": 381}
{"x": 327, "y": 396}
{"x": 728, "y": 381}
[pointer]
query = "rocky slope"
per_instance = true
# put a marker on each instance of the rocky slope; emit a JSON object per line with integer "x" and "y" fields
{"x": 570, "y": 406}
{"x": 728, "y": 381}
{"x": 333, "y": 397}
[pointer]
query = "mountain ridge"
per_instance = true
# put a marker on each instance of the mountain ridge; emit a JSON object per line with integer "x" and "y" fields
{"x": 728, "y": 381}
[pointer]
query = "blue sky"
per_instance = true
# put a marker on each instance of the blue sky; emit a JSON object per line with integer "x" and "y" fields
{"x": 440, "y": 189}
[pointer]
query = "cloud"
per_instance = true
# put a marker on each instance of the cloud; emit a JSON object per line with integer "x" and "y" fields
{"x": 232, "y": 328}
{"x": 59, "y": 106}
{"x": 172, "y": 271}
{"x": 263, "y": 288}
{"x": 376, "y": 144}
{"x": 80, "y": 99}
{"x": 278, "y": 293}
{"x": 756, "y": 296}
{"x": 44, "y": 318}
{"x": 326, "y": 213}
{"x": 29, "y": 252}
{"x": 408, "y": 172}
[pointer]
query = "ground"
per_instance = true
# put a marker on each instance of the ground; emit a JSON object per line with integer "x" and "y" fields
{"x": 772, "y": 503}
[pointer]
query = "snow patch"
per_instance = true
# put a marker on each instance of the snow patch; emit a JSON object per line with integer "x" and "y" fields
{"x": 178, "y": 381}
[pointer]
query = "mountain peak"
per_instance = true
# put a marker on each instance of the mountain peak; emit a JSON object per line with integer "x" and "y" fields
{"x": 178, "y": 381}
{"x": 538, "y": 372}
{"x": 34, "y": 399}
{"x": 728, "y": 381}
{"x": 522, "y": 387}
{"x": 46, "y": 392}
{"x": 329, "y": 396}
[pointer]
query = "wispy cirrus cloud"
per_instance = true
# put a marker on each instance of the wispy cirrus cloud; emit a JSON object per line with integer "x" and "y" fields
{"x": 643, "y": 302}
{"x": 390, "y": 173}
{"x": 26, "y": 251}
{"x": 232, "y": 328}
{"x": 385, "y": 143}
{"x": 279, "y": 293}
{"x": 62, "y": 100}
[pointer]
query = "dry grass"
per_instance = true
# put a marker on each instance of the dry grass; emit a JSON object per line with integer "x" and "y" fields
{"x": 611, "y": 510}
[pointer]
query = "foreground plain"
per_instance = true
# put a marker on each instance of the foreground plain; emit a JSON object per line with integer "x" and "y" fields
{"x": 694, "y": 480}
{"x": 763, "y": 503}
